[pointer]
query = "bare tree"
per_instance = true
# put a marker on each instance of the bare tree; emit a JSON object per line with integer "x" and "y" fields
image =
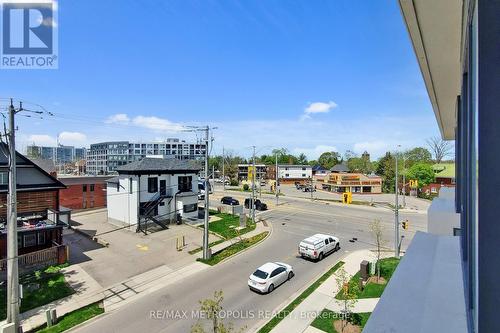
{"x": 211, "y": 308}
{"x": 349, "y": 295}
{"x": 439, "y": 147}
{"x": 377, "y": 231}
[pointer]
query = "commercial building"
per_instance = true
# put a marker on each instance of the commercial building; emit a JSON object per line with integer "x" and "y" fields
{"x": 290, "y": 173}
{"x": 243, "y": 171}
{"x": 59, "y": 154}
{"x": 83, "y": 192}
{"x": 153, "y": 191}
{"x": 448, "y": 279}
{"x": 351, "y": 182}
{"x": 106, "y": 157}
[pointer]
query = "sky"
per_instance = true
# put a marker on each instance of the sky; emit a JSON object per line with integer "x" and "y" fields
{"x": 310, "y": 76}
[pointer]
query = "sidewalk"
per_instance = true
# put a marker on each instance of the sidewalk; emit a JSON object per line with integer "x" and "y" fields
{"x": 259, "y": 228}
{"x": 324, "y": 297}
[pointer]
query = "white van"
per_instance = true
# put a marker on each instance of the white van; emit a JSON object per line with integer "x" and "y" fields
{"x": 318, "y": 246}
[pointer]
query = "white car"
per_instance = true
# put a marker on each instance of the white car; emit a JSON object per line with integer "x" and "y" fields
{"x": 318, "y": 246}
{"x": 269, "y": 276}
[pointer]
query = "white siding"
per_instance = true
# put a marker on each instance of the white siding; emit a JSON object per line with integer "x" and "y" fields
{"x": 295, "y": 172}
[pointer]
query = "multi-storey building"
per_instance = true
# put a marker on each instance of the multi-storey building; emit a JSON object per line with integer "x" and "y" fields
{"x": 106, "y": 157}
{"x": 59, "y": 154}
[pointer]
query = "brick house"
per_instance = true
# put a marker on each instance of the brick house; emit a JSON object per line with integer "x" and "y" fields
{"x": 37, "y": 195}
{"x": 83, "y": 192}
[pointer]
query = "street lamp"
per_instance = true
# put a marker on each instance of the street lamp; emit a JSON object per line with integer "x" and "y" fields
{"x": 396, "y": 210}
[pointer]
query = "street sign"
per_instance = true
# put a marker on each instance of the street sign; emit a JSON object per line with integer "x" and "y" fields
{"x": 413, "y": 183}
{"x": 347, "y": 197}
{"x": 250, "y": 173}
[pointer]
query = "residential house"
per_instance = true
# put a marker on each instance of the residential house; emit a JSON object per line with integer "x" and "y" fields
{"x": 447, "y": 280}
{"x": 153, "y": 191}
{"x": 291, "y": 173}
{"x": 37, "y": 205}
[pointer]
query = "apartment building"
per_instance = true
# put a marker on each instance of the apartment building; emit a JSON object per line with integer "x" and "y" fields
{"x": 59, "y": 154}
{"x": 291, "y": 173}
{"x": 106, "y": 157}
{"x": 448, "y": 279}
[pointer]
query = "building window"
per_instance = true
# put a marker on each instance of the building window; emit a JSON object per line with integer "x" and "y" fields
{"x": 287, "y": 175}
{"x": 91, "y": 187}
{"x": 185, "y": 183}
{"x": 152, "y": 184}
{"x": 303, "y": 175}
{"x": 84, "y": 187}
{"x": 29, "y": 240}
{"x": 41, "y": 238}
{"x": 4, "y": 178}
{"x": 190, "y": 208}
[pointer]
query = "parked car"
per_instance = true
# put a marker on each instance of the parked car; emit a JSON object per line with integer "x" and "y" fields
{"x": 269, "y": 276}
{"x": 229, "y": 201}
{"x": 259, "y": 205}
{"x": 318, "y": 246}
{"x": 299, "y": 186}
{"x": 308, "y": 189}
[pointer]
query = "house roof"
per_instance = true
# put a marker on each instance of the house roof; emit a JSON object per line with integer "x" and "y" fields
{"x": 30, "y": 176}
{"x": 158, "y": 165}
{"x": 47, "y": 165}
{"x": 341, "y": 167}
{"x": 318, "y": 168}
{"x": 77, "y": 180}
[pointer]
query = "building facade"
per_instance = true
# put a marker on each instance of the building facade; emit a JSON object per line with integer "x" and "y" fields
{"x": 60, "y": 154}
{"x": 259, "y": 175}
{"x": 83, "y": 192}
{"x": 448, "y": 279}
{"x": 153, "y": 191}
{"x": 290, "y": 173}
{"x": 351, "y": 182}
{"x": 106, "y": 157}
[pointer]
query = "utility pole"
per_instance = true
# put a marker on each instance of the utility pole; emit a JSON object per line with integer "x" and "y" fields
{"x": 396, "y": 213}
{"x": 276, "y": 184}
{"x": 404, "y": 181}
{"x": 12, "y": 260}
{"x": 206, "y": 254}
{"x": 213, "y": 176}
{"x": 312, "y": 187}
{"x": 223, "y": 173}
{"x": 253, "y": 186}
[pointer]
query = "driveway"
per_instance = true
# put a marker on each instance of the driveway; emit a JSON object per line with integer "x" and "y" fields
{"x": 128, "y": 253}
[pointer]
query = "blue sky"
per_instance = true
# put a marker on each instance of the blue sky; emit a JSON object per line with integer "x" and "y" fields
{"x": 306, "y": 75}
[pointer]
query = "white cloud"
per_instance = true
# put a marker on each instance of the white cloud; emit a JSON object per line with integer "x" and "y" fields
{"x": 150, "y": 122}
{"x": 158, "y": 124}
{"x": 42, "y": 140}
{"x": 318, "y": 107}
{"x": 314, "y": 152}
{"x": 119, "y": 118}
{"x": 68, "y": 138}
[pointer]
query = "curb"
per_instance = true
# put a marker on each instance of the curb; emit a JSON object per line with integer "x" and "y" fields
{"x": 270, "y": 232}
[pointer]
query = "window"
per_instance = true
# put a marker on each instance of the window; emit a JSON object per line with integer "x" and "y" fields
{"x": 41, "y": 238}
{"x": 190, "y": 208}
{"x": 331, "y": 240}
{"x": 327, "y": 241}
{"x": 84, "y": 187}
{"x": 4, "y": 178}
{"x": 152, "y": 184}
{"x": 29, "y": 240}
{"x": 91, "y": 187}
{"x": 185, "y": 183}
{"x": 304, "y": 169}
{"x": 287, "y": 175}
{"x": 303, "y": 175}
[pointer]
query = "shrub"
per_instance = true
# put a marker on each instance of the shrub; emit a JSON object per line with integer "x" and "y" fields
{"x": 246, "y": 187}
{"x": 234, "y": 182}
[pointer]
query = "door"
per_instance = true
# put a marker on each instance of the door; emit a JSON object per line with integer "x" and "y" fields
{"x": 163, "y": 187}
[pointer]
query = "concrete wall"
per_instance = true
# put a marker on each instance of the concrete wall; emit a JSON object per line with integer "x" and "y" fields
{"x": 441, "y": 215}
{"x": 123, "y": 202}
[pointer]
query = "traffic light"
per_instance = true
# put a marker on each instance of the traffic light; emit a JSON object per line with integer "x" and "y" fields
{"x": 405, "y": 224}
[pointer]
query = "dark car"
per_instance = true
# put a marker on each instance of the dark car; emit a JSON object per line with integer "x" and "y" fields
{"x": 308, "y": 189}
{"x": 259, "y": 205}
{"x": 229, "y": 201}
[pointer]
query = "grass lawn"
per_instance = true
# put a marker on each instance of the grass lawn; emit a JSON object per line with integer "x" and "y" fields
{"x": 40, "y": 288}
{"x": 233, "y": 249}
{"x": 290, "y": 307}
{"x": 325, "y": 320}
{"x": 73, "y": 318}
{"x": 198, "y": 249}
{"x": 226, "y": 226}
{"x": 372, "y": 290}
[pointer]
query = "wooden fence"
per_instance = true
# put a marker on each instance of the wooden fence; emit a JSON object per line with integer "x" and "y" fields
{"x": 39, "y": 259}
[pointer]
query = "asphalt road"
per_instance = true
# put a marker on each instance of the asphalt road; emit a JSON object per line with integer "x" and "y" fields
{"x": 292, "y": 222}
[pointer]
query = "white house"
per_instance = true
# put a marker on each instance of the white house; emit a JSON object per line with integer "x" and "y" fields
{"x": 153, "y": 190}
{"x": 290, "y": 173}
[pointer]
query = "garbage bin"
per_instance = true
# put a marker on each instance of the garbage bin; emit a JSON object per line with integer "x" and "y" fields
{"x": 364, "y": 270}
{"x": 179, "y": 218}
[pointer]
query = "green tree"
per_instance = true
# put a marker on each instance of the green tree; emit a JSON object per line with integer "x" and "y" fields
{"x": 386, "y": 167}
{"x": 422, "y": 172}
{"x": 328, "y": 159}
{"x": 302, "y": 159}
{"x": 212, "y": 309}
{"x": 360, "y": 164}
{"x": 417, "y": 155}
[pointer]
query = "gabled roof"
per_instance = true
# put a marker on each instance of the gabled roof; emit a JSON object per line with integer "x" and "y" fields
{"x": 160, "y": 165}
{"x": 341, "y": 167}
{"x": 318, "y": 167}
{"x": 30, "y": 177}
{"x": 47, "y": 165}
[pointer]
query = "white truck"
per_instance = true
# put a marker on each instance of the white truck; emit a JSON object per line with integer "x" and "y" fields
{"x": 318, "y": 246}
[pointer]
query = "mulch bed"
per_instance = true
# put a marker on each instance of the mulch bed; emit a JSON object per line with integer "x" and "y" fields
{"x": 350, "y": 328}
